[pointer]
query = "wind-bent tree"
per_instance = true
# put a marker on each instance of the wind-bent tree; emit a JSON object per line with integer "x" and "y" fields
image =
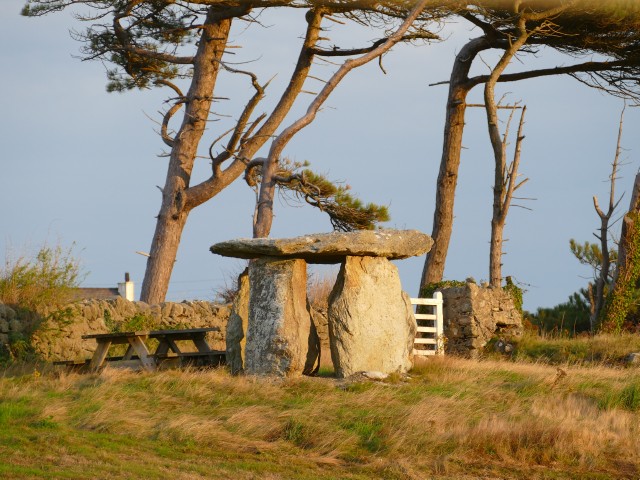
{"x": 167, "y": 42}
{"x": 264, "y": 214}
{"x": 609, "y": 29}
{"x": 297, "y": 183}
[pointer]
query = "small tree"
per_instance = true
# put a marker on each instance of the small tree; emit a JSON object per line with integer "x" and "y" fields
{"x": 298, "y": 183}
{"x": 605, "y": 265}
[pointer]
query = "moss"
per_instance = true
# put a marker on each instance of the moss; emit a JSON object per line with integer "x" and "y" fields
{"x": 430, "y": 289}
{"x": 620, "y": 301}
{"x": 515, "y": 292}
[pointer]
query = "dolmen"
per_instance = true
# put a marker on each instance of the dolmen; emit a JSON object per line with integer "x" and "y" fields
{"x": 371, "y": 321}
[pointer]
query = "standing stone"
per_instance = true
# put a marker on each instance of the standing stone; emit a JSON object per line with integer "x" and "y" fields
{"x": 237, "y": 326}
{"x": 279, "y": 321}
{"x": 371, "y": 322}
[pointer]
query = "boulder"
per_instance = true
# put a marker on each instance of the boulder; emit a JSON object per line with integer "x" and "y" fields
{"x": 633, "y": 359}
{"x": 331, "y": 247}
{"x": 371, "y": 321}
{"x": 279, "y": 322}
{"x": 237, "y": 326}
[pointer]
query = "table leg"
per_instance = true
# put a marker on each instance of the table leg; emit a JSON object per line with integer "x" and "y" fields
{"x": 163, "y": 347}
{"x": 201, "y": 343}
{"x": 129, "y": 353}
{"x": 173, "y": 346}
{"x": 99, "y": 355}
{"x": 143, "y": 354}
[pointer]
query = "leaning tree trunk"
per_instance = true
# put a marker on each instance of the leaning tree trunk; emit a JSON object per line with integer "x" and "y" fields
{"x": 173, "y": 211}
{"x": 179, "y": 198}
{"x": 450, "y": 162}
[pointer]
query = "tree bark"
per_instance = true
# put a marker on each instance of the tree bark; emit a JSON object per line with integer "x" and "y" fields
{"x": 459, "y": 87}
{"x": 179, "y": 198}
{"x": 504, "y": 181}
{"x": 173, "y": 212}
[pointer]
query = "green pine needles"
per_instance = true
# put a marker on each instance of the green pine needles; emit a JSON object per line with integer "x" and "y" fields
{"x": 346, "y": 212}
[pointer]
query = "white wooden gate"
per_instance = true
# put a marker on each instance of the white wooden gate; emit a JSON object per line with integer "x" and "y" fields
{"x": 430, "y": 335}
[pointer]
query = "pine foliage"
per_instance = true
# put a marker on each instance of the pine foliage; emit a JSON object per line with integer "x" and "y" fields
{"x": 346, "y": 212}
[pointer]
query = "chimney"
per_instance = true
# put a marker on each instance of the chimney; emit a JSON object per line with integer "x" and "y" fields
{"x": 126, "y": 289}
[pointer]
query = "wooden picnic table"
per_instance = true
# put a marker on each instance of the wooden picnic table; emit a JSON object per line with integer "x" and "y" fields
{"x": 137, "y": 349}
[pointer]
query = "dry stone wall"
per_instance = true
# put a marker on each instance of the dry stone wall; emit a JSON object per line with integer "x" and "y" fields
{"x": 59, "y": 335}
{"x": 473, "y": 315}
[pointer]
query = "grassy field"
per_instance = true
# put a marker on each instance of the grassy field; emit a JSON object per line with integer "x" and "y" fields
{"x": 451, "y": 418}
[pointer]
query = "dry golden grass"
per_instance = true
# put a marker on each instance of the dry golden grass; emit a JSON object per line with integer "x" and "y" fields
{"x": 452, "y": 418}
{"x": 603, "y": 348}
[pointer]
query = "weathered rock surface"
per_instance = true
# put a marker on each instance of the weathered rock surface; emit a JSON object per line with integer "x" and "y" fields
{"x": 371, "y": 322}
{"x": 279, "y": 322}
{"x": 237, "y": 326}
{"x": 331, "y": 247}
{"x": 473, "y": 315}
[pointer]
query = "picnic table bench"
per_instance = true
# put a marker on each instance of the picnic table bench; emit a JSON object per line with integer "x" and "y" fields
{"x": 138, "y": 355}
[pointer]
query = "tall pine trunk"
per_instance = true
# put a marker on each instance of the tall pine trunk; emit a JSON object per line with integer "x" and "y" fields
{"x": 450, "y": 162}
{"x": 173, "y": 211}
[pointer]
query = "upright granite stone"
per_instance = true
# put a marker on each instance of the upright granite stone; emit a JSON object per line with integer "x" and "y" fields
{"x": 331, "y": 247}
{"x": 371, "y": 322}
{"x": 237, "y": 326}
{"x": 279, "y": 322}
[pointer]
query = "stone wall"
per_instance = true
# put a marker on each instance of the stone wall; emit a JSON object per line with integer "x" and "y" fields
{"x": 59, "y": 335}
{"x": 473, "y": 315}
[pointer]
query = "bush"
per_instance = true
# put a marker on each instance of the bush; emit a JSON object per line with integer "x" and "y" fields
{"x": 42, "y": 282}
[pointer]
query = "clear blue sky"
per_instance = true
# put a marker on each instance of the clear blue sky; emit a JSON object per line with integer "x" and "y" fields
{"x": 81, "y": 165}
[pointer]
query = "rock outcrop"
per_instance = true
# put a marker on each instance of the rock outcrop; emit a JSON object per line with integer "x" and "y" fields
{"x": 331, "y": 247}
{"x": 237, "y": 326}
{"x": 371, "y": 322}
{"x": 279, "y": 321}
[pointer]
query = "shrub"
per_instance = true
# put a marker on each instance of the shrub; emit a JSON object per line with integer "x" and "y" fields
{"x": 41, "y": 282}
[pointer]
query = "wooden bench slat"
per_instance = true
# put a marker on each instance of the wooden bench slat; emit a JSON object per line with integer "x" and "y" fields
{"x": 187, "y": 331}
{"x": 116, "y": 336}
